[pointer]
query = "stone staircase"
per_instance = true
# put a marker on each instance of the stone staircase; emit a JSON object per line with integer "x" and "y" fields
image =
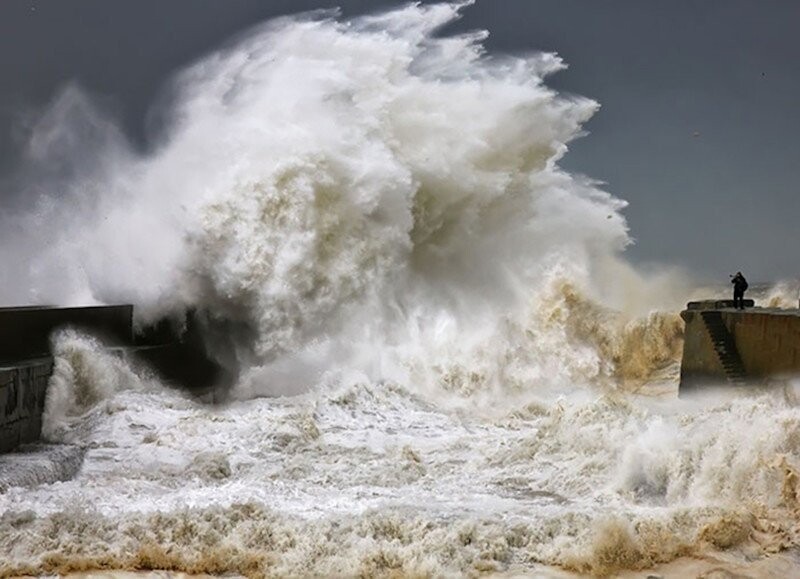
{"x": 725, "y": 347}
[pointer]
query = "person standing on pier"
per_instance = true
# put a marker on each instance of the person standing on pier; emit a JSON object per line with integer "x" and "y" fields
{"x": 739, "y": 287}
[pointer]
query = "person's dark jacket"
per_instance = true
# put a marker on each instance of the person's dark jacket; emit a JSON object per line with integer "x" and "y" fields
{"x": 739, "y": 283}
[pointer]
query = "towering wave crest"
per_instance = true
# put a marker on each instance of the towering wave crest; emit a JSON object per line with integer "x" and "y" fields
{"x": 371, "y": 217}
{"x": 360, "y": 194}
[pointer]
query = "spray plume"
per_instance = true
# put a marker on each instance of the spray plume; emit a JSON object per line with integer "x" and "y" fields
{"x": 362, "y": 191}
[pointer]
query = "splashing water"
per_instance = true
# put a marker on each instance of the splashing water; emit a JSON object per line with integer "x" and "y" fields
{"x": 333, "y": 190}
{"x": 373, "y": 218}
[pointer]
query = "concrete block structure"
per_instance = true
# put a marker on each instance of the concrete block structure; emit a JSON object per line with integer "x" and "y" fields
{"x": 23, "y": 389}
{"x": 25, "y": 332}
{"x": 724, "y": 345}
{"x": 26, "y": 363}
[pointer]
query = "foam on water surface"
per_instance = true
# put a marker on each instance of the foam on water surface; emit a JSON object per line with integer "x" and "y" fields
{"x": 361, "y": 478}
{"x": 445, "y": 365}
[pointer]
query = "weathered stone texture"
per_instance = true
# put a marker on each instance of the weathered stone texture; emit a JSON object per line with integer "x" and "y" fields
{"x": 23, "y": 389}
{"x": 176, "y": 351}
{"x": 767, "y": 341}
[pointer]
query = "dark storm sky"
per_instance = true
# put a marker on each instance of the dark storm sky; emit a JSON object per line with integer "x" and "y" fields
{"x": 699, "y": 128}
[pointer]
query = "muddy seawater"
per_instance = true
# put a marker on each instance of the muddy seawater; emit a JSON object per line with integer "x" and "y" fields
{"x": 445, "y": 365}
{"x": 361, "y": 478}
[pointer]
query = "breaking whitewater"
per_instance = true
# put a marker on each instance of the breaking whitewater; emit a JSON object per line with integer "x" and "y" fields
{"x": 445, "y": 367}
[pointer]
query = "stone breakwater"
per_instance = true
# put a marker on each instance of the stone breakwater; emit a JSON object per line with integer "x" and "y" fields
{"x": 724, "y": 345}
{"x": 23, "y": 388}
{"x": 176, "y": 354}
{"x": 26, "y": 363}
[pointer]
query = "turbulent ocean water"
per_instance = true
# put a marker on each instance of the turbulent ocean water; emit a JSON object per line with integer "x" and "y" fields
{"x": 445, "y": 365}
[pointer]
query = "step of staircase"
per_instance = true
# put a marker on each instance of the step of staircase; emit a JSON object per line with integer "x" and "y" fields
{"x": 724, "y": 347}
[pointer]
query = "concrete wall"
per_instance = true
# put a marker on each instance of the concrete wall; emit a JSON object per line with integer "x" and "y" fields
{"x": 25, "y": 332}
{"x": 768, "y": 342}
{"x": 26, "y": 365}
{"x": 23, "y": 388}
{"x": 176, "y": 352}
{"x": 699, "y": 364}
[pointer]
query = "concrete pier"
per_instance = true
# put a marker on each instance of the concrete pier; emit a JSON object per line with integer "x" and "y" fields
{"x": 25, "y": 332}
{"x": 23, "y": 388}
{"x": 738, "y": 347}
{"x": 26, "y": 364}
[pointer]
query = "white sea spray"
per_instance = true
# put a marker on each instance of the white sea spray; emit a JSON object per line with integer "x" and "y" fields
{"x": 435, "y": 331}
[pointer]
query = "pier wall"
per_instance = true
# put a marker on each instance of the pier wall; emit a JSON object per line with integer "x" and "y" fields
{"x": 26, "y": 364}
{"x": 767, "y": 342}
{"x": 176, "y": 352}
{"x": 23, "y": 388}
{"x": 699, "y": 364}
{"x": 25, "y": 332}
